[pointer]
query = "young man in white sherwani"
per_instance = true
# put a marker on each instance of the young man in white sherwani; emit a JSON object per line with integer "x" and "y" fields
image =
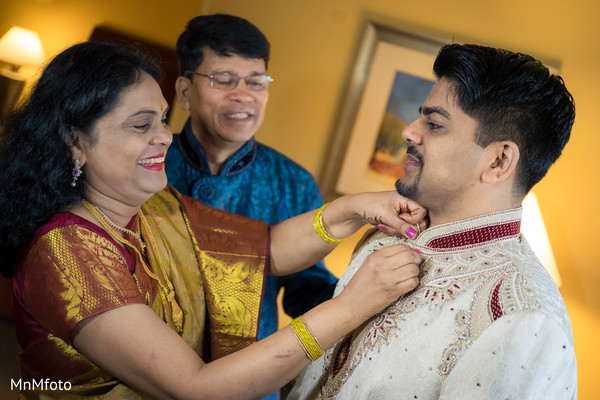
{"x": 486, "y": 320}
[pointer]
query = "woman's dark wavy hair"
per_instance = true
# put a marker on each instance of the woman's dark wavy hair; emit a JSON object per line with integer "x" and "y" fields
{"x": 79, "y": 86}
{"x": 513, "y": 97}
{"x": 225, "y": 34}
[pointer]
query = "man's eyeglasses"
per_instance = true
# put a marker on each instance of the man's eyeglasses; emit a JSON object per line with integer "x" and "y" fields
{"x": 228, "y": 81}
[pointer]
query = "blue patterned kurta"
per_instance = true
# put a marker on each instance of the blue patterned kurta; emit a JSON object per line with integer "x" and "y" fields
{"x": 263, "y": 184}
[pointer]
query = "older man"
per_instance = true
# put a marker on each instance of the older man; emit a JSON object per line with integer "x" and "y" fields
{"x": 223, "y": 84}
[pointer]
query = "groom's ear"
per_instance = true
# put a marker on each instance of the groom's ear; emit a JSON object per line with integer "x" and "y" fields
{"x": 501, "y": 161}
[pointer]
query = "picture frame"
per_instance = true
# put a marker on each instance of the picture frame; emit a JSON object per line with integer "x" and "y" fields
{"x": 392, "y": 76}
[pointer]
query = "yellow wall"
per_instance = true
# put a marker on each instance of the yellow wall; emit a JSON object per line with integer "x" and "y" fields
{"x": 61, "y": 23}
{"x": 314, "y": 43}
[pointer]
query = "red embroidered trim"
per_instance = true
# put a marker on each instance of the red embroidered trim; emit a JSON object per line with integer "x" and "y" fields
{"x": 495, "y": 307}
{"x": 341, "y": 355}
{"x": 476, "y": 236}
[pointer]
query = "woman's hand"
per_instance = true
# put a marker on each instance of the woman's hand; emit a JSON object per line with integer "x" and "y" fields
{"x": 396, "y": 215}
{"x": 295, "y": 244}
{"x": 384, "y": 276}
{"x": 389, "y": 211}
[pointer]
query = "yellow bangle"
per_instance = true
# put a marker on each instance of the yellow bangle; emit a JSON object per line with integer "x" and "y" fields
{"x": 307, "y": 340}
{"x": 320, "y": 228}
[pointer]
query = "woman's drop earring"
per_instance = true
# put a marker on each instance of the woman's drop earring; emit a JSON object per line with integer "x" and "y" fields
{"x": 76, "y": 172}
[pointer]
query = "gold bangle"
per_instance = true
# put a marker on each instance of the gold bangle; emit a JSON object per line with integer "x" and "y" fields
{"x": 317, "y": 350}
{"x": 320, "y": 228}
{"x": 307, "y": 340}
{"x": 301, "y": 344}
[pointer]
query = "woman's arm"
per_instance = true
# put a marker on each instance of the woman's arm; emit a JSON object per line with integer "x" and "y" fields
{"x": 295, "y": 244}
{"x": 136, "y": 346}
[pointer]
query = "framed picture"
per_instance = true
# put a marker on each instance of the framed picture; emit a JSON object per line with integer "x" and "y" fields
{"x": 391, "y": 79}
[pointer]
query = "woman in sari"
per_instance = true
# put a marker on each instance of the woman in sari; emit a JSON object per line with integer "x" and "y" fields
{"x": 123, "y": 288}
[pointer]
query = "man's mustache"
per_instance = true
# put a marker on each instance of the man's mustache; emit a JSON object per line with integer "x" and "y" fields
{"x": 412, "y": 150}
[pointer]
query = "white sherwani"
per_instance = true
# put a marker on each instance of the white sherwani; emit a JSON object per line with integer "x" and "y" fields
{"x": 485, "y": 322}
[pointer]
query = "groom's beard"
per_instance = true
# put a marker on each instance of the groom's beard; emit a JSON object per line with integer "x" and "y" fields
{"x": 409, "y": 189}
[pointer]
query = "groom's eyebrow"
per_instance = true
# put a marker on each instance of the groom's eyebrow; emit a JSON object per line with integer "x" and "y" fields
{"x": 434, "y": 110}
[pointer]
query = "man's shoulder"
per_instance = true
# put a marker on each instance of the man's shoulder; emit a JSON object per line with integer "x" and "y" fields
{"x": 508, "y": 279}
{"x": 538, "y": 282}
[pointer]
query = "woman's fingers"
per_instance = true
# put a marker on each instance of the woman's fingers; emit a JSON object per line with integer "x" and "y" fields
{"x": 385, "y": 275}
{"x": 401, "y": 258}
{"x": 398, "y": 216}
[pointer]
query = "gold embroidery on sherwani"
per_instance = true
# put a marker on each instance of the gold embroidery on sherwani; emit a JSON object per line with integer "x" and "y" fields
{"x": 444, "y": 275}
{"x": 502, "y": 293}
{"x": 437, "y": 285}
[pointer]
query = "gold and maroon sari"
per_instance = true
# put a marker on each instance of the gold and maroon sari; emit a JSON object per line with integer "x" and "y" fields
{"x": 74, "y": 270}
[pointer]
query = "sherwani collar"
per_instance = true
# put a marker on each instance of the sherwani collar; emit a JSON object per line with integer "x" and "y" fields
{"x": 472, "y": 232}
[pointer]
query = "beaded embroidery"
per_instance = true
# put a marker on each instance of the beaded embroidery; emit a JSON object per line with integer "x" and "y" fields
{"x": 455, "y": 257}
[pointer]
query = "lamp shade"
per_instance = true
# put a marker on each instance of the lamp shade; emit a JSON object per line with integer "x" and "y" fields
{"x": 534, "y": 230}
{"x": 21, "y": 46}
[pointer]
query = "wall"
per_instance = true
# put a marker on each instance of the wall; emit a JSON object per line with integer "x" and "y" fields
{"x": 313, "y": 47}
{"x": 314, "y": 44}
{"x": 61, "y": 23}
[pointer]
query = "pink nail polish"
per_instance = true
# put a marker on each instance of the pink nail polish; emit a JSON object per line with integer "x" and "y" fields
{"x": 381, "y": 227}
{"x": 417, "y": 251}
{"x": 411, "y": 233}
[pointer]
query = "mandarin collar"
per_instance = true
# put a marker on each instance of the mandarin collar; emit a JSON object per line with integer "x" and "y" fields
{"x": 472, "y": 232}
{"x": 194, "y": 153}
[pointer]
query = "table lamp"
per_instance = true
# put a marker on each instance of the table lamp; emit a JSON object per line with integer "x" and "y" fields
{"x": 18, "y": 47}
